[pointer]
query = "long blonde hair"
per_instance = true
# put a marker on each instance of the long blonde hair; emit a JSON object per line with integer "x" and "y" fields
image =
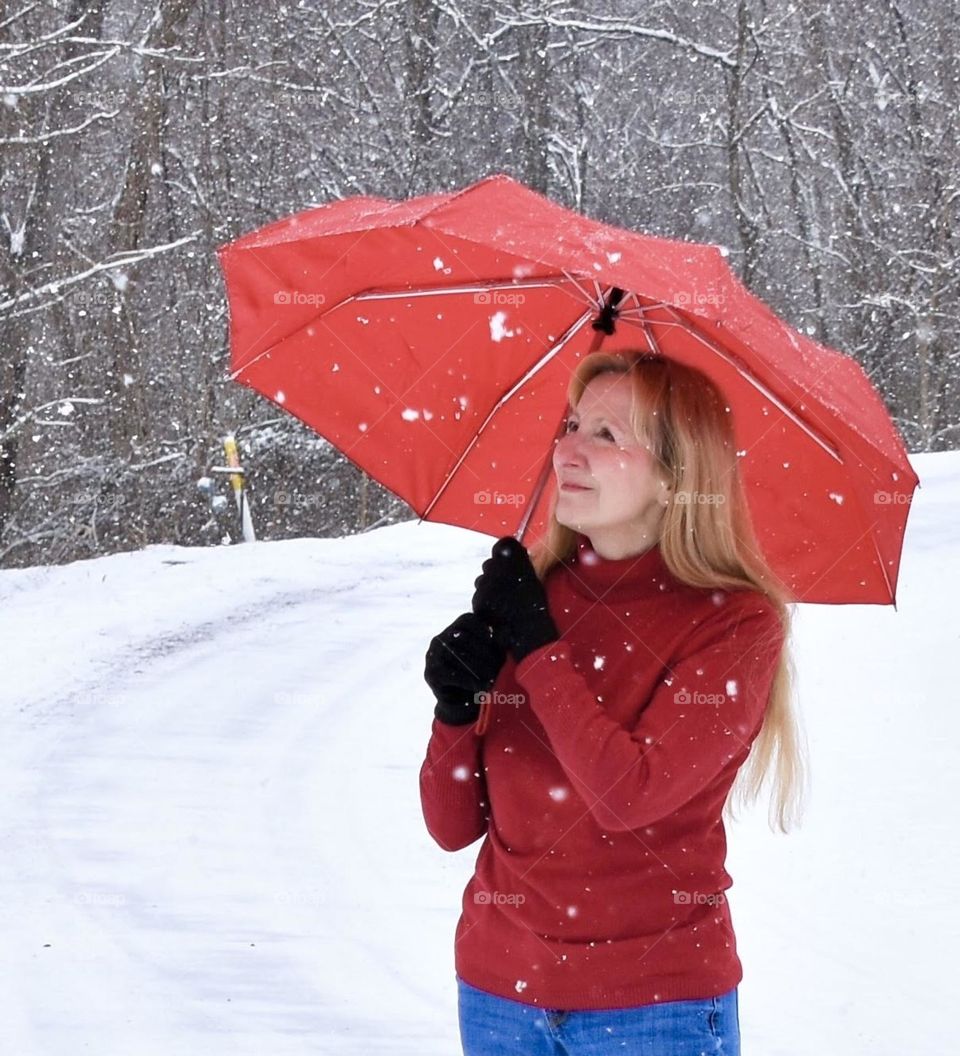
{"x": 682, "y": 415}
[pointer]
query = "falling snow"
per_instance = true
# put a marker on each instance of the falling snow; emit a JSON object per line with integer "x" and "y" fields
{"x": 498, "y": 327}
{"x": 863, "y": 688}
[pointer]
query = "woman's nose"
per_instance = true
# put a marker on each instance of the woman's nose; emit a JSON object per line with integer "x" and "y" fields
{"x": 567, "y": 451}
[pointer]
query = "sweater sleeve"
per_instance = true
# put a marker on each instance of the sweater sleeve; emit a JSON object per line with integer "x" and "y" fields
{"x": 706, "y": 710}
{"x": 453, "y": 788}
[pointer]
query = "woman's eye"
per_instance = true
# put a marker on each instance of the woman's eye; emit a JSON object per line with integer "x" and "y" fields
{"x": 572, "y": 426}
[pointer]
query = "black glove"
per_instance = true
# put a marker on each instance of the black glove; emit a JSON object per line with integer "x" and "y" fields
{"x": 511, "y": 598}
{"x": 462, "y": 663}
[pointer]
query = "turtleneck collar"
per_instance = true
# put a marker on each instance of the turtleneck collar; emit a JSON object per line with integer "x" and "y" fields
{"x": 622, "y": 579}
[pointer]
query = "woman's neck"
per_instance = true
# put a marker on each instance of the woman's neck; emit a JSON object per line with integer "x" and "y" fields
{"x": 614, "y": 547}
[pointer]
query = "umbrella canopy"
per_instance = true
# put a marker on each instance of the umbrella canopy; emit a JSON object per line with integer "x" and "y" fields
{"x": 432, "y": 341}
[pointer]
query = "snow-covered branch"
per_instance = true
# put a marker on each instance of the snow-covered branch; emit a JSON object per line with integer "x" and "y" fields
{"x": 58, "y": 133}
{"x": 50, "y": 291}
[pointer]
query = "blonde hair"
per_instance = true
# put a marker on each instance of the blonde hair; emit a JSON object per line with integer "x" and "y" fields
{"x": 683, "y": 417}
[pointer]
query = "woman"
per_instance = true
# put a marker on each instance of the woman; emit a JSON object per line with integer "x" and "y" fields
{"x": 632, "y": 664}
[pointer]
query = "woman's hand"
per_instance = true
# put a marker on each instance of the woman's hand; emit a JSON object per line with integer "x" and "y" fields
{"x": 462, "y": 662}
{"x": 511, "y": 598}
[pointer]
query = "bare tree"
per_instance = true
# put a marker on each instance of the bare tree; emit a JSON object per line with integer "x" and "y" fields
{"x": 817, "y": 142}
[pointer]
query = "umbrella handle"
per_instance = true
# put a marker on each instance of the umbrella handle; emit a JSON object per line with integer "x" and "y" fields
{"x": 483, "y": 716}
{"x": 545, "y": 470}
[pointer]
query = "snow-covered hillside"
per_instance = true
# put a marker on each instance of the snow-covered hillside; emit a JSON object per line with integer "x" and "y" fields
{"x": 210, "y": 830}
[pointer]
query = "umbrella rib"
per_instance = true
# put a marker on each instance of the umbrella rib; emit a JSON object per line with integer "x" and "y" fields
{"x": 596, "y": 300}
{"x": 434, "y": 291}
{"x": 876, "y": 550}
{"x": 748, "y": 376}
{"x": 549, "y": 281}
{"x": 556, "y": 282}
{"x": 554, "y": 349}
{"x": 648, "y": 334}
{"x": 630, "y": 296}
{"x": 644, "y": 323}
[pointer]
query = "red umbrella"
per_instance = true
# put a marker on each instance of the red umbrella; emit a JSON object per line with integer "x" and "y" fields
{"x": 432, "y": 341}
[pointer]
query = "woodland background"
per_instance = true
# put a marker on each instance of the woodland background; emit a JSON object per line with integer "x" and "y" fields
{"x": 817, "y": 141}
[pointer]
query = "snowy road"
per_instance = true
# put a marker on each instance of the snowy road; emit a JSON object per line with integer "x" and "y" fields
{"x": 211, "y": 829}
{"x": 211, "y": 834}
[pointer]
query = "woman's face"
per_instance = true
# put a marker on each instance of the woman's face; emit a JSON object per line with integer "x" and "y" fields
{"x": 625, "y": 491}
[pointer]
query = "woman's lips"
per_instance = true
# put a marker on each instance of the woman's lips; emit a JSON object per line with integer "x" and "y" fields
{"x": 573, "y": 487}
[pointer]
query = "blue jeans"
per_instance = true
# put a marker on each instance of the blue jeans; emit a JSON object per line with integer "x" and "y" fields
{"x": 497, "y": 1026}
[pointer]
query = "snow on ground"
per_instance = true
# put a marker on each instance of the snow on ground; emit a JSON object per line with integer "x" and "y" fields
{"x": 210, "y": 827}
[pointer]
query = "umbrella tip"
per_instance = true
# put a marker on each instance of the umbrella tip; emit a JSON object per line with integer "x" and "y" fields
{"x": 606, "y": 319}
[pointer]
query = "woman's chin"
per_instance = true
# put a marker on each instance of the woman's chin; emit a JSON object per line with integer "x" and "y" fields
{"x": 570, "y": 522}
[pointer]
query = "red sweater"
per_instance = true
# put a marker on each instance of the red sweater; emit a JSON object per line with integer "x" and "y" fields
{"x": 598, "y": 787}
